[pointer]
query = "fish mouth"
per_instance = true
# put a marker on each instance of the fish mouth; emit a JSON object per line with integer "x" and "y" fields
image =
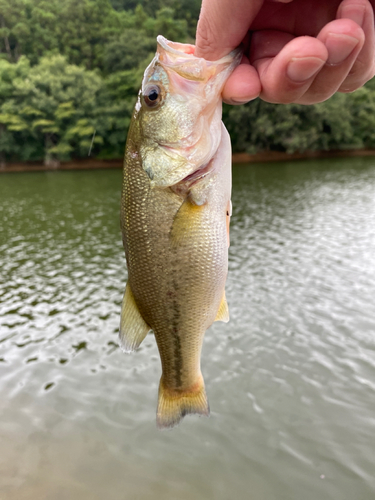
{"x": 175, "y": 47}
{"x": 181, "y": 59}
{"x": 186, "y": 49}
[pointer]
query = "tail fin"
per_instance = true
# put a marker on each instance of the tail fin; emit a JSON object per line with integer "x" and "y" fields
{"x": 173, "y": 405}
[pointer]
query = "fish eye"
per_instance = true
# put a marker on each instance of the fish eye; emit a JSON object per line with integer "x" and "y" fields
{"x": 152, "y": 96}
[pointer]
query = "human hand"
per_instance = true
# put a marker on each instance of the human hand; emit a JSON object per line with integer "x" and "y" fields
{"x": 300, "y": 51}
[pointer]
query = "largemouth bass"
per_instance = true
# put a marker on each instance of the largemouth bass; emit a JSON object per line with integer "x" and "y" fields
{"x": 175, "y": 214}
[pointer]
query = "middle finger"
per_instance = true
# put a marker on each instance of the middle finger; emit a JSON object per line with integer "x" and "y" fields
{"x": 344, "y": 40}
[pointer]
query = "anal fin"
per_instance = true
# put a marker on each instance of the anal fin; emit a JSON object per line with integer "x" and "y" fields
{"x": 223, "y": 312}
{"x": 133, "y": 328}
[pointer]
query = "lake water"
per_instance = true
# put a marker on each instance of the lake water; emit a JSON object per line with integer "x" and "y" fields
{"x": 290, "y": 379}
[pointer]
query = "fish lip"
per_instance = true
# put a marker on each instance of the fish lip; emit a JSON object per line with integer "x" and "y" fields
{"x": 167, "y": 46}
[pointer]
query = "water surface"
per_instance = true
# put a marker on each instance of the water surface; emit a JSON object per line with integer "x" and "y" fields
{"x": 291, "y": 378}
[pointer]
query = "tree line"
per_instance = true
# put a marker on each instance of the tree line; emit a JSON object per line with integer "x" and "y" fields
{"x": 70, "y": 72}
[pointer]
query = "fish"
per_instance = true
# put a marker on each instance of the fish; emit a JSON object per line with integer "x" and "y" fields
{"x": 175, "y": 212}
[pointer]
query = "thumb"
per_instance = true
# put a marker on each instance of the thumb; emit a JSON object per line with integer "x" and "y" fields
{"x": 223, "y": 25}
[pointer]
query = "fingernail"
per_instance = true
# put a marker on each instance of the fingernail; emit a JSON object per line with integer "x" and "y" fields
{"x": 302, "y": 68}
{"x": 235, "y": 102}
{"x": 354, "y": 12}
{"x": 241, "y": 102}
{"x": 339, "y": 47}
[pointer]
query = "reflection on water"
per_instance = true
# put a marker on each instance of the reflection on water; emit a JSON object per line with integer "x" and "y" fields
{"x": 291, "y": 378}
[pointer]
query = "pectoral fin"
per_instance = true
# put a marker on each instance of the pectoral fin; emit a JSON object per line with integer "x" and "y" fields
{"x": 186, "y": 221}
{"x": 133, "y": 328}
{"x": 223, "y": 312}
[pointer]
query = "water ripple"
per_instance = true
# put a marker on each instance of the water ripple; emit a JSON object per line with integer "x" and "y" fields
{"x": 291, "y": 378}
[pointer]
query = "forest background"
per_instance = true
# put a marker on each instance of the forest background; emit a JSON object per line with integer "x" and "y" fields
{"x": 70, "y": 71}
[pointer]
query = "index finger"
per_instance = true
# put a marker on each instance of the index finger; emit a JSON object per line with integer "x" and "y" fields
{"x": 223, "y": 25}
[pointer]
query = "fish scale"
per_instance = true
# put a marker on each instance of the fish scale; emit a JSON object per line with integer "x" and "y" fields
{"x": 175, "y": 229}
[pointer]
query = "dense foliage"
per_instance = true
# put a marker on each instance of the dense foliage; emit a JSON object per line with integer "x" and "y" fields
{"x": 70, "y": 71}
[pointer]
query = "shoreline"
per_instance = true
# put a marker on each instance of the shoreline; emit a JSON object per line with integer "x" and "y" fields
{"x": 267, "y": 156}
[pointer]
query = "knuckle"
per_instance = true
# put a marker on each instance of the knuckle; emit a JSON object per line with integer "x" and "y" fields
{"x": 358, "y": 69}
{"x": 205, "y": 39}
{"x": 318, "y": 93}
{"x": 349, "y": 86}
{"x": 358, "y": 76}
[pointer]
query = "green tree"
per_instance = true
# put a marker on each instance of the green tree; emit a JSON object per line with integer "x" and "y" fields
{"x": 363, "y": 111}
{"x": 127, "y": 51}
{"x": 183, "y": 9}
{"x": 12, "y": 25}
{"x": 165, "y": 24}
{"x": 14, "y": 136}
{"x": 117, "y": 104}
{"x": 261, "y": 126}
{"x": 77, "y": 29}
{"x": 52, "y": 105}
{"x": 70, "y": 72}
